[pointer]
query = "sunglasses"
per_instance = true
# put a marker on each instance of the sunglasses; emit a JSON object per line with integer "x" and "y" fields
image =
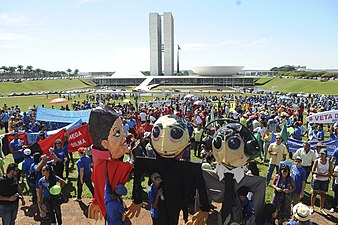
{"x": 278, "y": 138}
{"x": 44, "y": 170}
{"x": 58, "y": 143}
{"x": 298, "y": 161}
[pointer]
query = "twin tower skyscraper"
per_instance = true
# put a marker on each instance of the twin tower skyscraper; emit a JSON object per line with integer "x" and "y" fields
{"x": 157, "y": 47}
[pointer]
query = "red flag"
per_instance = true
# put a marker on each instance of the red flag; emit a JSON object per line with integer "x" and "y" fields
{"x": 22, "y": 137}
{"x": 79, "y": 137}
{"x": 47, "y": 143}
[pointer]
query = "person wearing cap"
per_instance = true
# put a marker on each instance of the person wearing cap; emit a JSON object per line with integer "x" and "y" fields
{"x": 155, "y": 194}
{"x": 301, "y": 215}
{"x": 84, "y": 165}
{"x": 115, "y": 207}
{"x": 319, "y": 146}
{"x": 26, "y": 165}
{"x": 15, "y": 147}
{"x": 308, "y": 156}
{"x": 321, "y": 171}
{"x": 299, "y": 176}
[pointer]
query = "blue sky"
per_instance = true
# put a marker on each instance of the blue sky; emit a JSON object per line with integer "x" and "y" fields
{"x": 106, "y": 35}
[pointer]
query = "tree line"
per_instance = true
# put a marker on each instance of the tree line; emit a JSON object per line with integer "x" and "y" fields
{"x": 29, "y": 71}
{"x": 288, "y": 70}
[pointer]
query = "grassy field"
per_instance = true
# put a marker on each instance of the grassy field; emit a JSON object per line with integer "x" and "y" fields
{"x": 300, "y": 85}
{"x": 42, "y": 85}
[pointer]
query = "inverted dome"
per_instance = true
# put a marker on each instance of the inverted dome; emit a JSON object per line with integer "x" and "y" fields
{"x": 217, "y": 70}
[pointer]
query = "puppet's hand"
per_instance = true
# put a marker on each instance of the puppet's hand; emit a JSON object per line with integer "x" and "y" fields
{"x": 134, "y": 210}
{"x": 94, "y": 211}
{"x": 199, "y": 218}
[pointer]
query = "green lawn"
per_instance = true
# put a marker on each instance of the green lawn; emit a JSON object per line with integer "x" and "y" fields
{"x": 300, "y": 85}
{"x": 42, "y": 85}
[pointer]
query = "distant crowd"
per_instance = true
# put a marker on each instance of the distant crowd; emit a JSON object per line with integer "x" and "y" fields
{"x": 263, "y": 115}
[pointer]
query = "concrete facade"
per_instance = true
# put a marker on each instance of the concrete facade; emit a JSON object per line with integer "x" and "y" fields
{"x": 155, "y": 36}
{"x": 168, "y": 41}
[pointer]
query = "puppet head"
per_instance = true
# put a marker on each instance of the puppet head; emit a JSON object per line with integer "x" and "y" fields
{"x": 234, "y": 145}
{"x": 169, "y": 136}
{"x": 105, "y": 128}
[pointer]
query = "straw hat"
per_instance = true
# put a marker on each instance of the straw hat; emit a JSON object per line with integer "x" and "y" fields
{"x": 301, "y": 212}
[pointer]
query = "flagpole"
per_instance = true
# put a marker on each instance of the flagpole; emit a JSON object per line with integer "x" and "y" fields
{"x": 178, "y": 59}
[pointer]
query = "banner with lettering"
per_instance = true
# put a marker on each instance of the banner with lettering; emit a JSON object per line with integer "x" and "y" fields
{"x": 295, "y": 144}
{"x": 324, "y": 117}
{"x": 44, "y": 145}
{"x": 79, "y": 137}
{"x": 54, "y": 115}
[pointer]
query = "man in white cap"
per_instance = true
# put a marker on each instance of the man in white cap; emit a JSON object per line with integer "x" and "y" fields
{"x": 26, "y": 165}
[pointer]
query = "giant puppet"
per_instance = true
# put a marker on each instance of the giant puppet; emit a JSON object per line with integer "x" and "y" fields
{"x": 180, "y": 179}
{"x": 109, "y": 144}
{"x": 233, "y": 146}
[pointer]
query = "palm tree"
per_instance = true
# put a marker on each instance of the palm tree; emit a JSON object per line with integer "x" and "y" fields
{"x": 12, "y": 70}
{"x": 69, "y": 71}
{"x": 29, "y": 69}
{"x": 20, "y": 68}
{"x": 4, "y": 69}
{"x": 76, "y": 72}
{"x": 37, "y": 72}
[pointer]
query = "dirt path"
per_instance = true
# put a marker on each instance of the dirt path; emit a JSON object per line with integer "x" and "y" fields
{"x": 75, "y": 213}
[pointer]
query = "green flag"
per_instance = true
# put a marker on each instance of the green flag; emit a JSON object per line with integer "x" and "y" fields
{"x": 284, "y": 133}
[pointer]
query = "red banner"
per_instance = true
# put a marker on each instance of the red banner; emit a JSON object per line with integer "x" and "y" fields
{"x": 79, "y": 137}
{"x": 47, "y": 143}
{"x": 22, "y": 137}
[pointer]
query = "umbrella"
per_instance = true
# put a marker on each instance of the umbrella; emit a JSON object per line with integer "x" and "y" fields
{"x": 199, "y": 102}
{"x": 126, "y": 101}
{"x": 58, "y": 100}
{"x": 193, "y": 97}
{"x": 284, "y": 97}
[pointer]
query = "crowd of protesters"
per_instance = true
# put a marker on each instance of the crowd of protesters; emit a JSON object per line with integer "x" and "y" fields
{"x": 263, "y": 115}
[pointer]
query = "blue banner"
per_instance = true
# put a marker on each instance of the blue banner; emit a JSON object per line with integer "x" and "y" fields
{"x": 54, "y": 115}
{"x": 33, "y": 137}
{"x": 295, "y": 144}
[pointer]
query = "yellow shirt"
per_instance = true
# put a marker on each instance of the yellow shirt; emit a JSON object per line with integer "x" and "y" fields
{"x": 280, "y": 150}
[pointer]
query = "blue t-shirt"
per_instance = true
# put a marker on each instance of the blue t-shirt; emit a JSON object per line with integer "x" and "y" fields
{"x": 247, "y": 208}
{"x": 152, "y": 192}
{"x": 84, "y": 162}
{"x": 114, "y": 208}
{"x": 298, "y": 175}
{"x": 320, "y": 134}
{"x": 333, "y": 136}
{"x": 16, "y": 145}
{"x": 298, "y": 133}
{"x": 60, "y": 153}
{"x": 38, "y": 175}
{"x": 45, "y": 186}
{"x": 26, "y": 166}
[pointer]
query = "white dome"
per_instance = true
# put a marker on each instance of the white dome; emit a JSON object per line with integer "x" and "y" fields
{"x": 217, "y": 70}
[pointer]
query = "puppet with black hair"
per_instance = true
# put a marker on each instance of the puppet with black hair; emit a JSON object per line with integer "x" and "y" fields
{"x": 109, "y": 144}
{"x": 180, "y": 179}
{"x": 233, "y": 146}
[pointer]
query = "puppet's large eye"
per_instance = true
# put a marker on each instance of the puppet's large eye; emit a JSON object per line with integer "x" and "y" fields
{"x": 176, "y": 133}
{"x": 234, "y": 143}
{"x": 218, "y": 143}
{"x": 156, "y": 133}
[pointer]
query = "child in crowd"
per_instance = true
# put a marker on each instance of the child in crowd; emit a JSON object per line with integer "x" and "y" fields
{"x": 301, "y": 215}
{"x": 246, "y": 205}
{"x": 155, "y": 194}
{"x": 115, "y": 206}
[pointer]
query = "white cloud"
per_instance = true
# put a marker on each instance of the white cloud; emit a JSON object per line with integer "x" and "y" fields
{"x": 257, "y": 42}
{"x": 10, "y": 36}
{"x": 14, "y": 19}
